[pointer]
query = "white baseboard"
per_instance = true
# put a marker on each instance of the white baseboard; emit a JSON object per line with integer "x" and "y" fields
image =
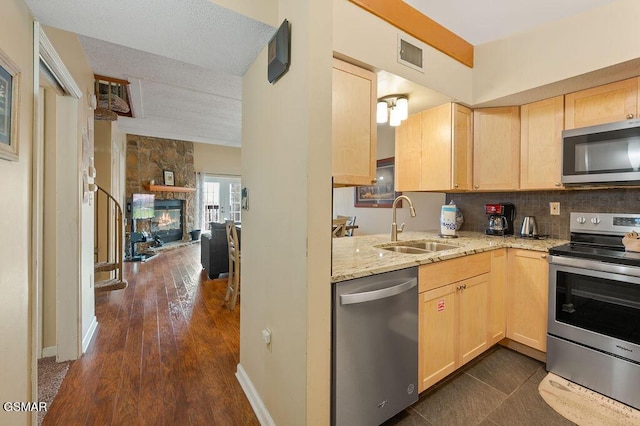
{"x": 49, "y": 351}
{"x": 254, "y": 399}
{"x": 87, "y": 337}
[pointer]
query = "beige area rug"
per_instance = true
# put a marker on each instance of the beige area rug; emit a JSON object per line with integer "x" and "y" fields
{"x": 50, "y": 377}
{"x": 583, "y": 406}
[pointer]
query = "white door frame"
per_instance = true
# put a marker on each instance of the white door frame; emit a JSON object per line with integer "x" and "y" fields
{"x": 44, "y": 51}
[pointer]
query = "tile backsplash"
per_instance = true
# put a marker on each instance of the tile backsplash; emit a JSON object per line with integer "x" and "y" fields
{"x": 536, "y": 203}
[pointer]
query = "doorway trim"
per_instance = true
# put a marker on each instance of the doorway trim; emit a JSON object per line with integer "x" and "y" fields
{"x": 43, "y": 53}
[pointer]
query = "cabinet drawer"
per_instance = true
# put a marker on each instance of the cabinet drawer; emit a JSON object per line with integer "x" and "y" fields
{"x": 450, "y": 271}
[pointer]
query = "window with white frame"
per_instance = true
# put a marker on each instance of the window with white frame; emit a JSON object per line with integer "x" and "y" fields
{"x": 221, "y": 198}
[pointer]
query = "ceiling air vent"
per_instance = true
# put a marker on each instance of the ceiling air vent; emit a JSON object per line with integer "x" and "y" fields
{"x": 409, "y": 54}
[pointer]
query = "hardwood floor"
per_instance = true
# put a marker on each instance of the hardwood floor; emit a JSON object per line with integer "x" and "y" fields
{"x": 165, "y": 352}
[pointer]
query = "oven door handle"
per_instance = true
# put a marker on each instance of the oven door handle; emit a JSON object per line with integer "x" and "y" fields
{"x": 595, "y": 265}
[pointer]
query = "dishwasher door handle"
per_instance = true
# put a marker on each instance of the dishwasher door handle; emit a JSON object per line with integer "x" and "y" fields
{"x": 368, "y": 296}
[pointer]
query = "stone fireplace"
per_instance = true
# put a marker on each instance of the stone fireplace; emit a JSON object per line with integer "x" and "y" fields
{"x": 147, "y": 159}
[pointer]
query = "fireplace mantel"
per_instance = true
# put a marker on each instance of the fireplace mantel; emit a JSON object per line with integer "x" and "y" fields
{"x": 165, "y": 188}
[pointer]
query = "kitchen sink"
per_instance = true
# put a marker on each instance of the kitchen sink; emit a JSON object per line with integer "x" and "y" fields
{"x": 429, "y": 245}
{"x": 419, "y": 247}
{"x": 405, "y": 249}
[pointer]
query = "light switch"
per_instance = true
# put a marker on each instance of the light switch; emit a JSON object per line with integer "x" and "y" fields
{"x": 266, "y": 336}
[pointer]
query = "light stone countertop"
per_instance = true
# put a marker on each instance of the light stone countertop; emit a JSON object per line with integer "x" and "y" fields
{"x": 355, "y": 257}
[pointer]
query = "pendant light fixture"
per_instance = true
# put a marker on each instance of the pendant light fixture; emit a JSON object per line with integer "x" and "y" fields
{"x": 395, "y": 108}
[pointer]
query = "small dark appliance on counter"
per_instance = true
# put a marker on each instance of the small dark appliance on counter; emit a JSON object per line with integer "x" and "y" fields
{"x": 501, "y": 218}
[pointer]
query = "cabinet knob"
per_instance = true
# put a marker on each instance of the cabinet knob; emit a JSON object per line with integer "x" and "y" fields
{"x": 455, "y": 185}
{"x": 476, "y": 186}
{"x": 544, "y": 256}
{"x": 558, "y": 184}
{"x": 629, "y": 116}
{"x": 374, "y": 180}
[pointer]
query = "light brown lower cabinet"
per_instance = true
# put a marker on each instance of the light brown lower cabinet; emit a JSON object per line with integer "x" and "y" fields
{"x": 453, "y": 316}
{"x": 497, "y": 296}
{"x": 527, "y": 297}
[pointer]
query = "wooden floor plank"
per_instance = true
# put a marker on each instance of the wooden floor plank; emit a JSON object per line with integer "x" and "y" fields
{"x": 165, "y": 352}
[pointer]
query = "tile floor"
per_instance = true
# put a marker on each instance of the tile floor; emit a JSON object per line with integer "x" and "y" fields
{"x": 500, "y": 388}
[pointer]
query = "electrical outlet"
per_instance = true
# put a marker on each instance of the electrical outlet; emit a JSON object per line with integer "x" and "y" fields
{"x": 554, "y": 209}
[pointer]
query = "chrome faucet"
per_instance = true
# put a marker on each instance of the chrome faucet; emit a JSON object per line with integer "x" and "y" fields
{"x": 394, "y": 226}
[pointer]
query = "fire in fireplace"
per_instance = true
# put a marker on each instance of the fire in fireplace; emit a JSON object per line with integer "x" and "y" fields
{"x": 167, "y": 223}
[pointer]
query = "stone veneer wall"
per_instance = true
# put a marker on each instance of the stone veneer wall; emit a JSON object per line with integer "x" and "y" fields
{"x": 148, "y": 157}
{"x": 536, "y": 203}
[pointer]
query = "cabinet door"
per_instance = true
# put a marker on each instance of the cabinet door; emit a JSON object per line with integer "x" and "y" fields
{"x": 496, "y": 148}
{"x": 496, "y": 302}
{"x": 408, "y": 162}
{"x": 436, "y": 148}
{"x": 462, "y": 172}
{"x": 437, "y": 347}
{"x": 527, "y": 298}
{"x": 354, "y": 138}
{"x": 603, "y": 104}
{"x": 473, "y": 317}
{"x": 541, "y": 144}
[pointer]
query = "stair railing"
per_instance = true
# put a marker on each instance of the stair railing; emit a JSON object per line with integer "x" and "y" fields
{"x": 114, "y": 255}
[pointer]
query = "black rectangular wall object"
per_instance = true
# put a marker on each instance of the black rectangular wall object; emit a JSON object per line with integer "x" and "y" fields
{"x": 279, "y": 52}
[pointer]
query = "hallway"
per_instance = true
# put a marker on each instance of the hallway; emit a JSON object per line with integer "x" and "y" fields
{"x": 165, "y": 352}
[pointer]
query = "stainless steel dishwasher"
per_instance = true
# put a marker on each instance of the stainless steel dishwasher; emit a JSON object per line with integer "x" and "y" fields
{"x": 374, "y": 347}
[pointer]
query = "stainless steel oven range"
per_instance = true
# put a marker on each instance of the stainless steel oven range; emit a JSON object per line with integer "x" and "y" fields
{"x": 594, "y": 307}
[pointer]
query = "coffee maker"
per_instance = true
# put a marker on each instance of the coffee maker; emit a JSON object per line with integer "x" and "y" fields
{"x": 501, "y": 218}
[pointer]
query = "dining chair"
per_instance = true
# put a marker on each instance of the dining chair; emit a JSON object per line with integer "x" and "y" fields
{"x": 339, "y": 228}
{"x": 233, "y": 285}
{"x": 351, "y": 222}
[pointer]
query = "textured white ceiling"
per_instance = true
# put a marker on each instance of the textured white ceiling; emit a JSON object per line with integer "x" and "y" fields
{"x": 172, "y": 99}
{"x": 479, "y": 21}
{"x": 193, "y": 31}
{"x": 185, "y": 60}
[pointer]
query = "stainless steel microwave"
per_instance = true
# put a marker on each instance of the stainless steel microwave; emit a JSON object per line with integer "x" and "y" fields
{"x": 603, "y": 154}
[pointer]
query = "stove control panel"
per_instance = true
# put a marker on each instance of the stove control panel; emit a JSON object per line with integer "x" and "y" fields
{"x": 605, "y": 223}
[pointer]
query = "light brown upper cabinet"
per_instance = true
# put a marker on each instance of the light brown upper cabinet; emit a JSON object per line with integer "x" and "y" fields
{"x": 541, "y": 144}
{"x": 496, "y": 149}
{"x": 354, "y": 136}
{"x": 434, "y": 150}
{"x": 408, "y": 152}
{"x": 603, "y": 104}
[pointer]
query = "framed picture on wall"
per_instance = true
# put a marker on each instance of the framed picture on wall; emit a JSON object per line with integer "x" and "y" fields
{"x": 168, "y": 178}
{"x": 383, "y": 192}
{"x": 9, "y": 107}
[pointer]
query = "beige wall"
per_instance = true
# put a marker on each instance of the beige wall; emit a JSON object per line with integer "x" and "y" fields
{"x": 217, "y": 159}
{"x": 596, "y": 39}
{"x": 367, "y": 38}
{"x": 286, "y": 244}
{"x": 16, "y": 40}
